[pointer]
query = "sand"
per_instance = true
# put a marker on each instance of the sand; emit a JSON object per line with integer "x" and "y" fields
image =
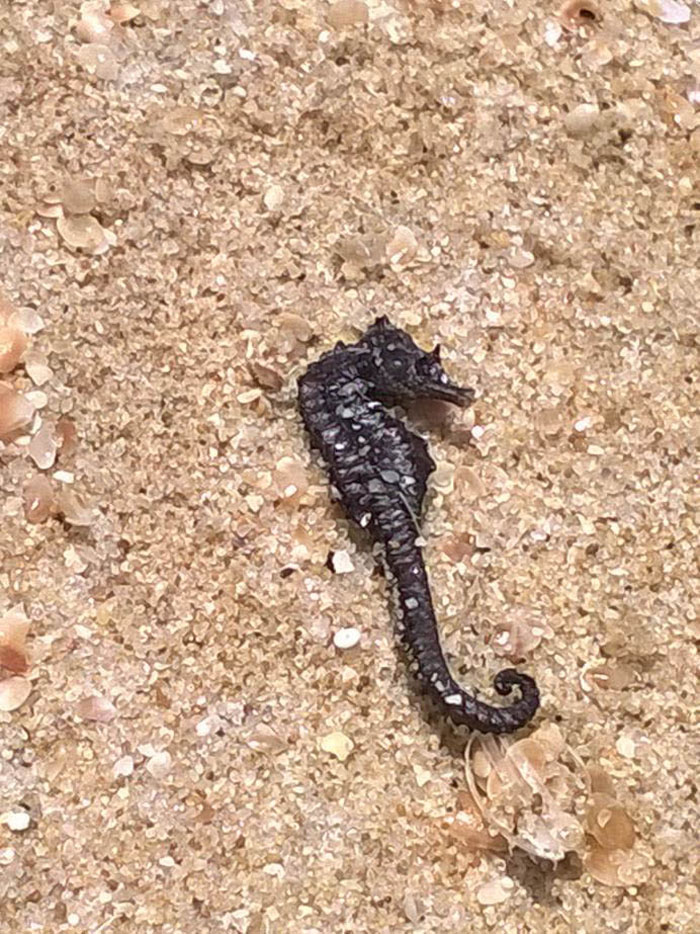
{"x": 197, "y": 200}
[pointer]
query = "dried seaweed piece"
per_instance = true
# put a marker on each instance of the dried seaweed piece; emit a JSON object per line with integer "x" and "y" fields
{"x": 380, "y": 470}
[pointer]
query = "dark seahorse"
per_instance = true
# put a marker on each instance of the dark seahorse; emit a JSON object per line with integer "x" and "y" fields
{"x": 379, "y": 471}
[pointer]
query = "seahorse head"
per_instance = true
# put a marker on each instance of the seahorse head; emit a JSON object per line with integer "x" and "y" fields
{"x": 400, "y": 369}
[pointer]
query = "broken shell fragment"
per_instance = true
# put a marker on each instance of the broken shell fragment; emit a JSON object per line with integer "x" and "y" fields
{"x": 609, "y": 823}
{"x": 78, "y": 195}
{"x": 346, "y": 638}
{"x": 74, "y": 511}
{"x": 81, "y": 231}
{"x": 96, "y": 708}
{"x": 13, "y": 693}
{"x": 94, "y": 26}
{"x": 16, "y": 412}
{"x": 38, "y": 499}
{"x": 37, "y": 367}
{"x": 668, "y": 11}
{"x": 582, "y": 120}
{"x": 496, "y": 891}
{"x": 347, "y": 13}
{"x": 98, "y": 59}
{"x": 290, "y": 479}
{"x": 295, "y": 326}
{"x": 67, "y": 436}
{"x": 340, "y": 562}
{"x": 123, "y": 12}
{"x": 516, "y": 639}
{"x": 13, "y": 635}
{"x": 526, "y": 790}
{"x": 42, "y": 448}
{"x": 12, "y": 345}
{"x": 337, "y": 744}
{"x": 604, "y": 865}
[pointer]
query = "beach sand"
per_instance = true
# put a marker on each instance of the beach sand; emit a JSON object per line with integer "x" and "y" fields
{"x": 198, "y": 198}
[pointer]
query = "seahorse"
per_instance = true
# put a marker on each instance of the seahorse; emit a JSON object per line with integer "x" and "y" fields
{"x": 379, "y": 472}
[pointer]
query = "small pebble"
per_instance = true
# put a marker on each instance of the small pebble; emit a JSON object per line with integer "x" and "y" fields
{"x": 37, "y": 367}
{"x": 496, "y": 891}
{"x": 17, "y": 820}
{"x": 42, "y": 448}
{"x": 96, "y": 708}
{"x": 582, "y": 120}
{"x": 159, "y": 764}
{"x": 16, "y": 412}
{"x": 273, "y": 198}
{"x": 337, "y": 744}
{"x": 340, "y": 562}
{"x": 521, "y": 259}
{"x": 123, "y": 767}
{"x": 626, "y": 747}
{"x": 346, "y": 638}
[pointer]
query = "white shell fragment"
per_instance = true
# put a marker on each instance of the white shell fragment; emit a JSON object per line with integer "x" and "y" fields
{"x": 340, "y": 562}
{"x": 337, "y": 744}
{"x": 14, "y": 692}
{"x": 668, "y": 11}
{"x": 16, "y": 820}
{"x": 346, "y": 638}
